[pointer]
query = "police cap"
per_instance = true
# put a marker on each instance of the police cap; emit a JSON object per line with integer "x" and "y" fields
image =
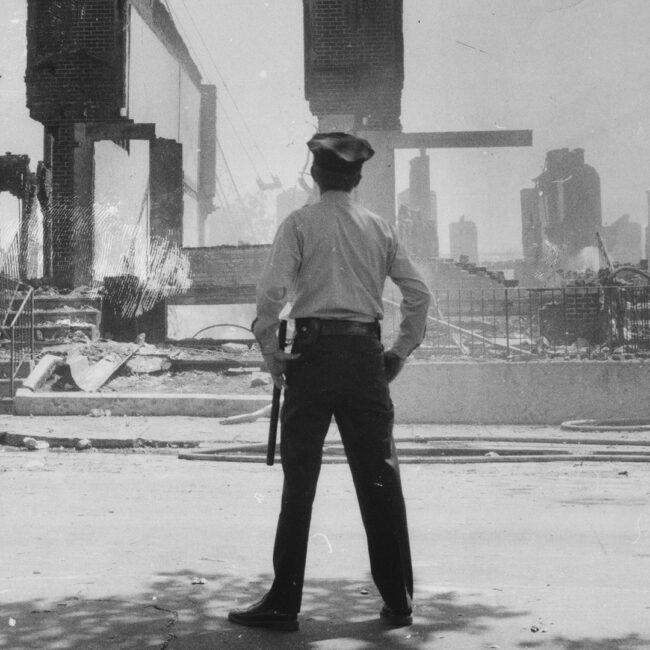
{"x": 340, "y": 152}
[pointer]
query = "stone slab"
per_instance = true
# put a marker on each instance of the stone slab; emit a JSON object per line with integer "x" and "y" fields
{"x": 517, "y": 393}
{"x": 150, "y": 404}
{"x": 544, "y": 392}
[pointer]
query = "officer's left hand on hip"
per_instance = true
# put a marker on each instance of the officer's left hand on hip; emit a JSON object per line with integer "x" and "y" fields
{"x": 276, "y": 364}
{"x": 393, "y": 365}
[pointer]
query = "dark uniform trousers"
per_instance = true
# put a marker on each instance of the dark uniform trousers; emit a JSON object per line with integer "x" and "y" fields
{"x": 341, "y": 376}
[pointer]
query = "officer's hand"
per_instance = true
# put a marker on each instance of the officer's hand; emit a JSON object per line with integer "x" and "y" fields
{"x": 393, "y": 365}
{"x": 276, "y": 364}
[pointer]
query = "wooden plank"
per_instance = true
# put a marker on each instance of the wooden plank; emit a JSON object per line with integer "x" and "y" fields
{"x": 235, "y": 295}
{"x": 462, "y": 139}
{"x": 120, "y": 131}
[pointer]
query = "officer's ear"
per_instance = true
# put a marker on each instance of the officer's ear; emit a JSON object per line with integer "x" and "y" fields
{"x": 315, "y": 174}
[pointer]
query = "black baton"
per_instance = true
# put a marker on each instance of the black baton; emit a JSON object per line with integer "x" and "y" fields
{"x": 275, "y": 404}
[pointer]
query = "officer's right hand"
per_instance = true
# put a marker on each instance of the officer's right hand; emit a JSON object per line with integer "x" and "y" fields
{"x": 276, "y": 364}
{"x": 393, "y": 365}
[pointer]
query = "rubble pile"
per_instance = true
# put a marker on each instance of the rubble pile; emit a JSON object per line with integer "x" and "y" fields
{"x": 110, "y": 366}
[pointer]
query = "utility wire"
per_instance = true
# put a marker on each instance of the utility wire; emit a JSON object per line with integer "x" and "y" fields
{"x": 222, "y": 194}
{"x": 221, "y": 104}
{"x": 225, "y": 85}
{"x": 195, "y": 56}
{"x": 241, "y": 200}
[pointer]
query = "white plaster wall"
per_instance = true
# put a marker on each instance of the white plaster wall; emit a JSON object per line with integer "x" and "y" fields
{"x": 160, "y": 91}
{"x": 520, "y": 392}
{"x": 121, "y": 208}
{"x": 154, "y": 80}
{"x": 9, "y": 218}
{"x": 184, "y": 321}
{"x": 190, "y": 221}
{"x": 189, "y": 135}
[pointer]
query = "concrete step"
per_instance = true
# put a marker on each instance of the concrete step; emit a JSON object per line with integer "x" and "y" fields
{"x": 55, "y": 333}
{"x": 90, "y": 315}
{"x": 25, "y": 368}
{"x": 5, "y": 388}
{"x": 62, "y": 301}
{"x": 149, "y": 404}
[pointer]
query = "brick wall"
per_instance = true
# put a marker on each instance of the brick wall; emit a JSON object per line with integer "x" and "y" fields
{"x": 76, "y": 75}
{"x": 354, "y": 60}
{"x": 75, "y": 60}
{"x": 226, "y": 266}
{"x": 62, "y": 164}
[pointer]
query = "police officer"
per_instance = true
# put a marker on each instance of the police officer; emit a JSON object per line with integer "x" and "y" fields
{"x": 330, "y": 260}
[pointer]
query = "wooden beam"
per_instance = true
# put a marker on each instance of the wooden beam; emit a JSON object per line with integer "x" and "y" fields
{"x": 125, "y": 130}
{"x": 462, "y": 139}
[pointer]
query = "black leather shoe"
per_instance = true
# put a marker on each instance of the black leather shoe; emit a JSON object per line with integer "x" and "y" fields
{"x": 396, "y": 618}
{"x": 261, "y": 615}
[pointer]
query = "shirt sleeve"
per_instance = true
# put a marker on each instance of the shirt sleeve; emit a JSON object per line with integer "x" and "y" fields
{"x": 416, "y": 298}
{"x": 276, "y": 283}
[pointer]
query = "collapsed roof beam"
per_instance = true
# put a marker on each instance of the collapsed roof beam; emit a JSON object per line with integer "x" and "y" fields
{"x": 462, "y": 139}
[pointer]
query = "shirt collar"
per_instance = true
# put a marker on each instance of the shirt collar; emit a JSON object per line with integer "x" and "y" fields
{"x": 336, "y": 196}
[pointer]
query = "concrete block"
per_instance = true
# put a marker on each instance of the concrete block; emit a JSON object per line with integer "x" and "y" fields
{"x": 149, "y": 404}
{"x": 530, "y": 392}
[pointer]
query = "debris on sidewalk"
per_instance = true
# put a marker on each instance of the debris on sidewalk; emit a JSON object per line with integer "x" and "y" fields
{"x": 35, "y": 445}
{"x": 260, "y": 379}
{"x": 247, "y": 417}
{"x": 43, "y": 370}
{"x": 100, "y": 413}
{"x": 90, "y": 375}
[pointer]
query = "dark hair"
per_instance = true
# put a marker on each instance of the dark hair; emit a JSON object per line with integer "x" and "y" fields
{"x": 338, "y": 181}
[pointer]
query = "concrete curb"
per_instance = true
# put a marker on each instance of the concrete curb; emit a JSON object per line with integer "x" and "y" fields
{"x": 16, "y": 440}
{"x": 150, "y": 404}
{"x": 439, "y": 460}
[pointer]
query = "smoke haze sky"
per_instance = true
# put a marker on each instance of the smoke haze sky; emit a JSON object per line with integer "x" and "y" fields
{"x": 574, "y": 71}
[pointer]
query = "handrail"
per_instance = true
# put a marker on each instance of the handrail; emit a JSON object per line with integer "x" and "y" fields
{"x": 17, "y": 326}
{"x": 19, "y": 311}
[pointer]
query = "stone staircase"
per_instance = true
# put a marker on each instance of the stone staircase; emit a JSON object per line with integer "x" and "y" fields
{"x": 58, "y": 317}
{"x": 6, "y": 398}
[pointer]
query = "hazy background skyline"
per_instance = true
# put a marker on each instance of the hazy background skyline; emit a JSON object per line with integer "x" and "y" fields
{"x": 573, "y": 71}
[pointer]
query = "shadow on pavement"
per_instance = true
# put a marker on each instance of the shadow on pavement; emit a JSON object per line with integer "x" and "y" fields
{"x": 629, "y": 642}
{"x": 174, "y": 614}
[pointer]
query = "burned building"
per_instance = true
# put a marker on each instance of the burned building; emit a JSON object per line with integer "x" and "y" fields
{"x": 562, "y": 213}
{"x": 417, "y": 216}
{"x": 22, "y": 256}
{"x": 463, "y": 240}
{"x": 647, "y": 228}
{"x": 623, "y": 240}
{"x": 354, "y": 74}
{"x": 354, "y": 63}
{"x": 531, "y": 228}
{"x": 130, "y": 134}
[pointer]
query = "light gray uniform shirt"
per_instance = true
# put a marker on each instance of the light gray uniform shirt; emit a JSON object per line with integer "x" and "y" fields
{"x": 331, "y": 260}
